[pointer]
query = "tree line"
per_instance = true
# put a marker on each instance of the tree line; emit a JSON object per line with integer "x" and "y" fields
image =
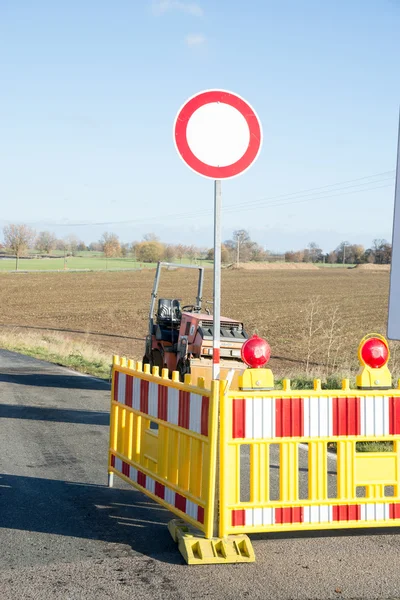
{"x": 379, "y": 253}
{"x": 19, "y": 239}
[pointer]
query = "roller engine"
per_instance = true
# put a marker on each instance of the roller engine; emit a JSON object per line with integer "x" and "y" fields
{"x": 180, "y": 337}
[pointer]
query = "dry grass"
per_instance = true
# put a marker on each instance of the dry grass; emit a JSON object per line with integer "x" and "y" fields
{"x": 56, "y": 348}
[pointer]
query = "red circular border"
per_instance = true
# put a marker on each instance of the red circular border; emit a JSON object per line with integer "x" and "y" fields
{"x": 180, "y": 127}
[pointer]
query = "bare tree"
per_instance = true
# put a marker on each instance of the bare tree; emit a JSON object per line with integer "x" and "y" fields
{"x": 313, "y": 328}
{"x": 72, "y": 243}
{"x": 110, "y": 245}
{"x": 240, "y": 237}
{"x": 46, "y": 241}
{"x": 169, "y": 252}
{"x": 151, "y": 237}
{"x": 18, "y": 238}
{"x": 314, "y": 252}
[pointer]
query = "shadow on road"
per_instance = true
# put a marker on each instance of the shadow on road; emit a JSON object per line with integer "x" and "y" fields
{"x": 54, "y": 380}
{"x": 94, "y": 512}
{"x": 59, "y": 415}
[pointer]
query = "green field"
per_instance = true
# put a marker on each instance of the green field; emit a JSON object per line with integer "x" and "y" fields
{"x": 94, "y": 261}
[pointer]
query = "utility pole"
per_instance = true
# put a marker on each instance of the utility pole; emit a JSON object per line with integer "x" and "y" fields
{"x": 344, "y": 253}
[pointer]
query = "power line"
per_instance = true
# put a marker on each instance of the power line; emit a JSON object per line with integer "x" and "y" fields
{"x": 300, "y": 196}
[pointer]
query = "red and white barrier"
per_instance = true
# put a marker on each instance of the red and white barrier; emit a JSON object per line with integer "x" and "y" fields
{"x": 315, "y": 417}
{"x": 187, "y": 410}
{"x": 159, "y": 490}
{"x": 253, "y": 517}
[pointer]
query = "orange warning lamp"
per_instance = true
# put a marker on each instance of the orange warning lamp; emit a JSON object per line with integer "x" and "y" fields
{"x": 256, "y": 352}
{"x": 373, "y": 354}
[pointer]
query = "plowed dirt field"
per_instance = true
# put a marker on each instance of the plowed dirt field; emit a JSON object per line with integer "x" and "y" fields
{"x": 110, "y": 310}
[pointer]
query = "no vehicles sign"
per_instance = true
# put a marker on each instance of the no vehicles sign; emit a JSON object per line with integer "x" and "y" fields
{"x": 394, "y": 295}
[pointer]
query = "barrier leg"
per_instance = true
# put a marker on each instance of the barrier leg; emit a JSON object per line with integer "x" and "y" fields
{"x": 110, "y": 480}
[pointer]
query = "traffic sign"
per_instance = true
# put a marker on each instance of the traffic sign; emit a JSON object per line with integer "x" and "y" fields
{"x": 217, "y": 134}
{"x": 394, "y": 294}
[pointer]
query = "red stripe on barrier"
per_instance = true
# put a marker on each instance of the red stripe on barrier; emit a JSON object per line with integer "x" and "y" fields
{"x": 205, "y": 405}
{"x": 346, "y": 416}
{"x": 125, "y": 469}
{"x": 238, "y": 518}
{"x": 159, "y": 490}
{"x": 162, "y": 402}
{"x": 394, "y": 511}
{"x": 129, "y": 390}
{"x": 239, "y": 418}
{"x": 289, "y": 515}
{"x": 116, "y": 378}
{"x": 216, "y": 355}
{"x": 112, "y": 460}
{"x": 184, "y": 409}
{"x": 180, "y": 502}
{"x": 144, "y": 396}
{"x": 141, "y": 479}
{"x": 289, "y": 417}
{"x": 394, "y": 415}
{"x": 200, "y": 514}
{"x": 346, "y": 512}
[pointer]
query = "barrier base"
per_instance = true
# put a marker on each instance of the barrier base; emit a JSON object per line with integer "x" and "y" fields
{"x": 198, "y": 550}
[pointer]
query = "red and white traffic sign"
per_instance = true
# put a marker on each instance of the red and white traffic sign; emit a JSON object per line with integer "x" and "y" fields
{"x": 217, "y": 134}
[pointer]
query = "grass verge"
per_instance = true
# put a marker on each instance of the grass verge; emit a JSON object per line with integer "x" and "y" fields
{"x": 54, "y": 348}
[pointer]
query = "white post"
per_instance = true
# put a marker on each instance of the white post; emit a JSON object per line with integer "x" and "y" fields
{"x": 217, "y": 280}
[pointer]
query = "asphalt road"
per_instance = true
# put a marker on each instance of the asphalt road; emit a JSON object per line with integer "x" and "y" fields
{"x": 65, "y": 535}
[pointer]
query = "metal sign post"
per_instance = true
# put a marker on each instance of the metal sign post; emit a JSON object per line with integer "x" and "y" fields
{"x": 217, "y": 281}
{"x": 218, "y": 135}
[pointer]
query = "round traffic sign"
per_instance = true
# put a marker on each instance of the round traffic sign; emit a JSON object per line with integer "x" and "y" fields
{"x": 217, "y": 134}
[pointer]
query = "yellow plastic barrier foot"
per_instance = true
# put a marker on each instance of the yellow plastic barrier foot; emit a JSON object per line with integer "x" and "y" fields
{"x": 198, "y": 550}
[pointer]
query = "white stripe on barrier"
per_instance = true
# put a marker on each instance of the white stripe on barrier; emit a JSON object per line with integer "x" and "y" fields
{"x": 249, "y": 422}
{"x": 169, "y": 496}
{"x": 375, "y": 512}
{"x": 173, "y": 406}
{"x": 191, "y": 509}
{"x": 374, "y": 415}
{"x": 150, "y": 484}
{"x": 133, "y": 474}
{"x": 196, "y": 402}
{"x": 153, "y": 399}
{"x": 118, "y": 464}
{"x": 121, "y": 387}
{"x": 318, "y": 416}
{"x": 260, "y": 418}
{"x": 136, "y": 394}
{"x": 268, "y": 516}
{"x": 318, "y": 514}
{"x": 259, "y": 516}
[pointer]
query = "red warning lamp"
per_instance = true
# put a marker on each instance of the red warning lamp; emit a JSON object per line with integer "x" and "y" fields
{"x": 256, "y": 352}
{"x": 374, "y": 353}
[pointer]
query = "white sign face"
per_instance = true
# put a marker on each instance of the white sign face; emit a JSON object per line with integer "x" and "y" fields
{"x": 217, "y": 134}
{"x": 394, "y": 295}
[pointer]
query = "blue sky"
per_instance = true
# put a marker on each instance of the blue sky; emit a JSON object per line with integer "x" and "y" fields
{"x": 90, "y": 91}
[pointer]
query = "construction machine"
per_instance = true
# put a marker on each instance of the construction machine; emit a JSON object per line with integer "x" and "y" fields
{"x": 180, "y": 338}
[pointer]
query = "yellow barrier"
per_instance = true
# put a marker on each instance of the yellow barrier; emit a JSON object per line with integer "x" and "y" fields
{"x": 288, "y": 459}
{"x": 271, "y": 426}
{"x": 163, "y": 439}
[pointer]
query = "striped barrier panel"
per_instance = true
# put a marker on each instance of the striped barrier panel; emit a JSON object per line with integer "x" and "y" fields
{"x": 261, "y": 436}
{"x": 163, "y": 439}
